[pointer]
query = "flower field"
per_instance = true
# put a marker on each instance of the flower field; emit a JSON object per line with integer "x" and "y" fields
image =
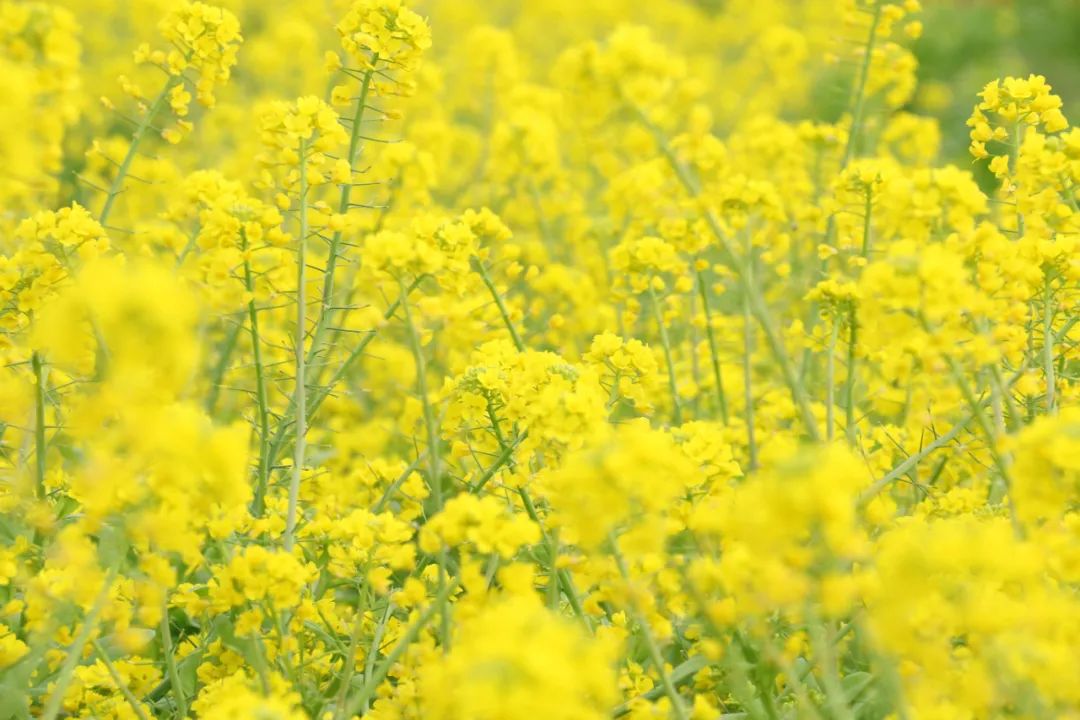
{"x": 561, "y": 360}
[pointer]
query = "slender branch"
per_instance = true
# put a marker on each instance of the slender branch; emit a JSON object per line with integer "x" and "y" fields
{"x": 75, "y": 651}
{"x": 666, "y": 343}
{"x": 263, "y": 477}
{"x": 482, "y": 271}
{"x": 40, "y": 442}
{"x": 119, "y": 681}
{"x": 1048, "y": 348}
{"x": 326, "y": 313}
{"x": 710, "y": 334}
{"x": 678, "y": 705}
{"x": 685, "y": 671}
{"x": 758, "y": 307}
{"x": 170, "y": 661}
{"x": 281, "y": 435}
{"x": 433, "y": 454}
{"x": 830, "y": 382}
{"x": 300, "y": 396}
{"x": 860, "y": 88}
{"x": 380, "y": 672}
{"x": 849, "y": 381}
{"x": 144, "y": 124}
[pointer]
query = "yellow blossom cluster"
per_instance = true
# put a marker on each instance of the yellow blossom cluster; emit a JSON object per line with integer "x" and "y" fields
{"x": 506, "y": 360}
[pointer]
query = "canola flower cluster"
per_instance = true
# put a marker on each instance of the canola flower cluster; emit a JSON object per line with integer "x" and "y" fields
{"x": 501, "y": 360}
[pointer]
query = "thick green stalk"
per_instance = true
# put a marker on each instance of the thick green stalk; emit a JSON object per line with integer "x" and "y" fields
{"x": 376, "y": 643}
{"x": 263, "y": 477}
{"x": 1000, "y": 461}
{"x": 170, "y": 662}
{"x": 853, "y": 329}
{"x": 858, "y": 103}
{"x": 281, "y": 434}
{"x": 502, "y": 459}
{"x": 506, "y": 456}
{"x": 904, "y": 467}
{"x": 300, "y": 392}
{"x": 326, "y": 311}
{"x": 835, "y": 697}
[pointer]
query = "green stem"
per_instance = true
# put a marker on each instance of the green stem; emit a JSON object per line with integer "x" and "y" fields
{"x": 326, "y": 313}
{"x": 748, "y": 385}
{"x": 685, "y": 671}
{"x": 75, "y": 650}
{"x": 868, "y": 211}
{"x": 376, "y": 643}
{"x": 849, "y": 381}
{"x": 678, "y": 706}
{"x": 482, "y": 271}
{"x": 170, "y": 662}
{"x": 713, "y": 353}
{"x": 125, "y": 166}
{"x": 1018, "y": 141}
{"x": 860, "y": 89}
{"x": 433, "y": 454}
{"x": 260, "y": 386}
{"x": 504, "y": 457}
{"x": 300, "y": 396}
{"x": 430, "y": 422}
{"x": 282, "y": 433}
{"x": 830, "y": 382}
{"x": 666, "y": 343}
{"x": 758, "y": 306}
{"x": 119, "y": 681}
{"x": 350, "y": 665}
{"x": 904, "y": 467}
{"x": 217, "y": 375}
{"x": 561, "y": 576}
{"x": 380, "y": 672}
{"x": 834, "y": 690}
{"x": 911, "y": 461}
{"x": 40, "y": 442}
{"x": 1048, "y": 348}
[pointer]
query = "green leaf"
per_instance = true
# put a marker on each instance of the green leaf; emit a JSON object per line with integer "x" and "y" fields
{"x": 856, "y": 684}
{"x": 14, "y": 702}
{"x": 112, "y": 546}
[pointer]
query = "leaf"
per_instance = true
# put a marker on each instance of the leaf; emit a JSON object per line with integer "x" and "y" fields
{"x": 856, "y": 684}
{"x": 14, "y": 702}
{"x": 113, "y": 546}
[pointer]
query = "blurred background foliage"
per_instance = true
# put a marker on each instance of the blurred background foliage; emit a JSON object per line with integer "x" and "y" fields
{"x": 966, "y": 43}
